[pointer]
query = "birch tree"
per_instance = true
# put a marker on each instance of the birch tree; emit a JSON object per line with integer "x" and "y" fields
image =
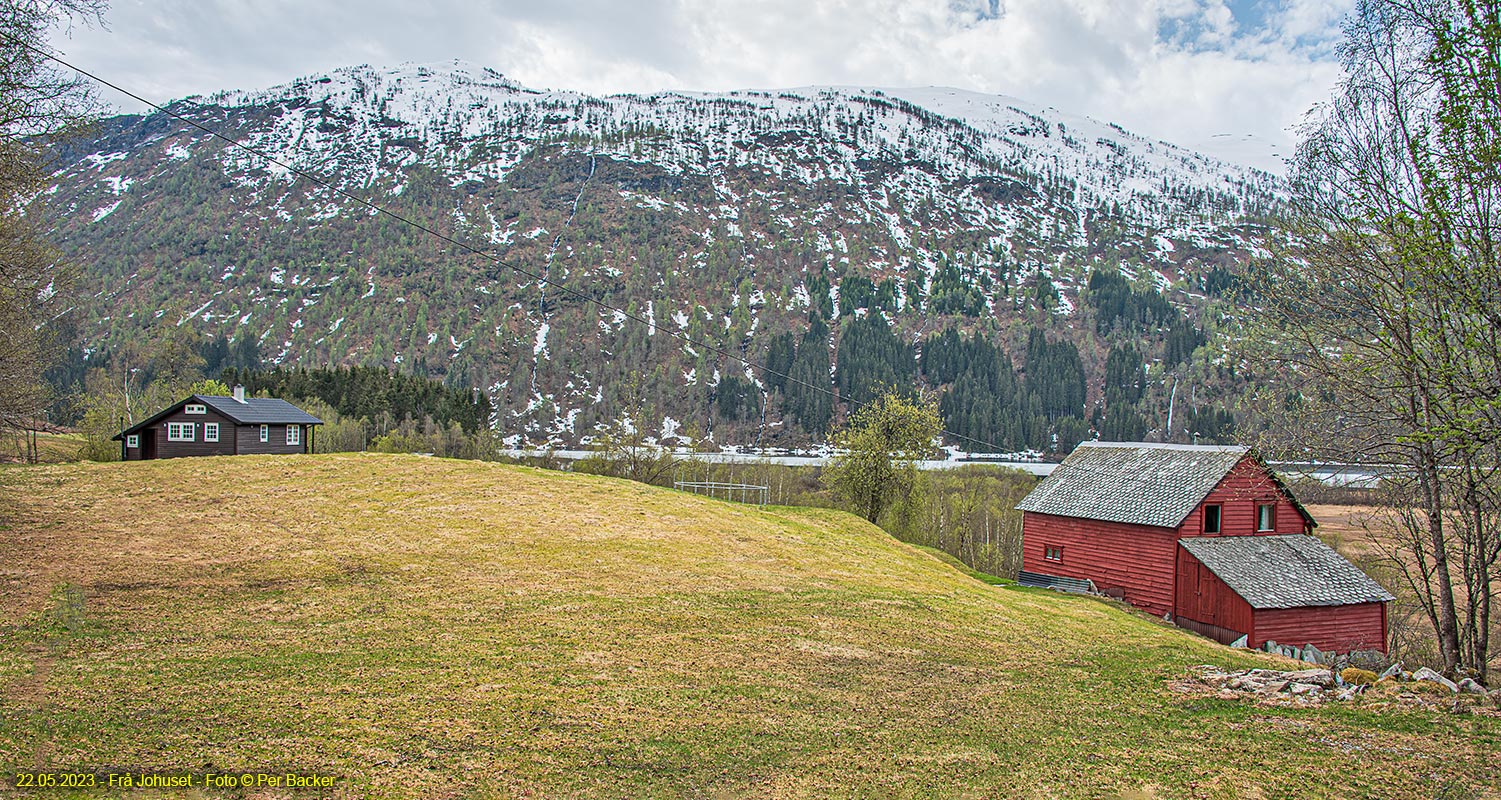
{"x": 37, "y": 103}
{"x": 1382, "y": 316}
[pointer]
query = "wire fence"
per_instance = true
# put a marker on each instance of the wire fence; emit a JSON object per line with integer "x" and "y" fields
{"x": 735, "y": 492}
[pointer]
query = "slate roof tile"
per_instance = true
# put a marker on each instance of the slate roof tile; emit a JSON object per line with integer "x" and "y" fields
{"x": 1288, "y": 571}
{"x": 259, "y": 411}
{"x": 1132, "y": 482}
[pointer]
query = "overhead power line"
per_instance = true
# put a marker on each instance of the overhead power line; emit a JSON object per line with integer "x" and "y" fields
{"x": 497, "y": 260}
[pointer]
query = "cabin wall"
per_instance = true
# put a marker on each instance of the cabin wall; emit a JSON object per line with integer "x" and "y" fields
{"x": 250, "y": 440}
{"x": 1138, "y": 559}
{"x": 1202, "y": 597}
{"x": 197, "y": 447}
{"x": 1245, "y": 487}
{"x": 1330, "y": 628}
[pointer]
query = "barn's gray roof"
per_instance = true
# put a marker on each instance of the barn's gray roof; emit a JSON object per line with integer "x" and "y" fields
{"x": 1131, "y": 482}
{"x": 260, "y": 411}
{"x": 1289, "y": 571}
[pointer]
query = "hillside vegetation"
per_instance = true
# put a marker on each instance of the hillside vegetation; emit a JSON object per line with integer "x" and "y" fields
{"x": 434, "y": 628}
{"x": 825, "y": 230}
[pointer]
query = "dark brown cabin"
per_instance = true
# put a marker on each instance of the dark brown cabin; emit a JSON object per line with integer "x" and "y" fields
{"x": 205, "y": 425}
{"x": 1207, "y": 536}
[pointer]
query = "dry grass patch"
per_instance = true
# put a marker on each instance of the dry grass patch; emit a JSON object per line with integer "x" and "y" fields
{"x": 434, "y": 628}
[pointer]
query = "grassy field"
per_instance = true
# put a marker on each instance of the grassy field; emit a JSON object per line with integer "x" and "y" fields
{"x": 432, "y": 628}
{"x": 52, "y": 448}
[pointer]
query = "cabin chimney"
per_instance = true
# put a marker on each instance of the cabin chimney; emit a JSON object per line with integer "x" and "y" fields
{"x": 239, "y": 393}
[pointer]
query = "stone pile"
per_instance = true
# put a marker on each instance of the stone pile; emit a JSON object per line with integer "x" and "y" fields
{"x": 1317, "y": 686}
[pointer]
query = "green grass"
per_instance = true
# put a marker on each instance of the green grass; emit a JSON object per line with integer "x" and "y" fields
{"x": 983, "y": 577}
{"x": 431, "y": 628}
{"x": 52, "y": 448}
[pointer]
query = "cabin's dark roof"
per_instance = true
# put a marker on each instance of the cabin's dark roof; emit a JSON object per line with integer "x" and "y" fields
{"x": 253, "y": 411}
{"x": 1132, "y": 482}
{"x": 259, "y": 411}
{"x": 1289, "y": 571}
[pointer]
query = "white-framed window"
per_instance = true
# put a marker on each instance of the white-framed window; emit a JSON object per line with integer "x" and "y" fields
{"x": 294, "y": 434}
{"x": 210, "y": 431}
{"x": 1053, "y": 552}
{"x": 265, "y": 433}
{"x": 1266, "y": 517}
{"x": 195, "y": 408}
{"x": 181, "y": 431}
{"x": 133, "y": 440}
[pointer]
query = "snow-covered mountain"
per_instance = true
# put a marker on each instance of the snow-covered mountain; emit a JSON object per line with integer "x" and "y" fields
{"x": 727, "y": 217}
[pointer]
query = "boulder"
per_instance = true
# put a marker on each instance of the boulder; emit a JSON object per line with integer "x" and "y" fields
{"x": 1241, "y": 642}
{"x": 1244, "y": 683}
{"x": 1426, "y": 674}
{"x": 1322, "y": 678}
{"x": 1372, "y": 660}
{"x": 1313, "y": 655}
{"x": 1302, "y": 688}
{"x": 1469, "y": 686}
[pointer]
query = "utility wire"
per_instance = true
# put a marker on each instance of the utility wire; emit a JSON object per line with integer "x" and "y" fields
{"x": 497, "y": 260}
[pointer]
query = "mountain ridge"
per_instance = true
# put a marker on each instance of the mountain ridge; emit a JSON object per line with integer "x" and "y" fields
{"x": 711, "y": 214}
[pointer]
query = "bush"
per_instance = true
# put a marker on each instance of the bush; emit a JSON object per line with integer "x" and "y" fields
{"x": 1356, "y": 676}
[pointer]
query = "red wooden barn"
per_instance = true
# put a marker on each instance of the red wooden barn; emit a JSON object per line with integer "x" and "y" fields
{"x": 1208, "y": 536}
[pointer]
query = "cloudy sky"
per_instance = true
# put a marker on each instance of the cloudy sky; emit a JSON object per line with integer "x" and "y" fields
{"x": 1182, "y": 70}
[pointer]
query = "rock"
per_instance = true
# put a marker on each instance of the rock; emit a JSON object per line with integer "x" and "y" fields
{"x": 1210, "y": 674}
{"x": 1426, "y": 674}
{"x": 1394, "y": 672}
{"x": 1469, "y": 686}
{"x": 1320, "y": 677}
{"x": 1347, "y": 694}
{"x": 1241, "y": 642}
{"x": 1372, "y": 660}
{"x": 1274, "y": 687}
{"x": 1312, "y": 654}
{"x": 1302, "y": 688}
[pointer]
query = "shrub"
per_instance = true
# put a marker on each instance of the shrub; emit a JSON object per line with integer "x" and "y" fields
{"x": 1357, "y": 676}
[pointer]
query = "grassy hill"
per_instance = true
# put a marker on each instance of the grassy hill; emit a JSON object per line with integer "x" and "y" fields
{"x": 431, "y": 628}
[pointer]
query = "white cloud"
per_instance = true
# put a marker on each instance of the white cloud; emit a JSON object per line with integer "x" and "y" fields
{"x": 1174, "y": 69}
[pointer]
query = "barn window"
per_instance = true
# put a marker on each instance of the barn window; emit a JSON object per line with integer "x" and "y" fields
{"x": 265, "y": 433}
{"x": 181, "y": 431}
{"x": 133, "y": 440}
{"x": 1211, "y": 519}
{"x": 294, "y": 434}
{"x": 210, "y": 431}
{"x": 1266, "y": 517}
{"x": 1053, "y": 552}
{"x": 195, "y": 408}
